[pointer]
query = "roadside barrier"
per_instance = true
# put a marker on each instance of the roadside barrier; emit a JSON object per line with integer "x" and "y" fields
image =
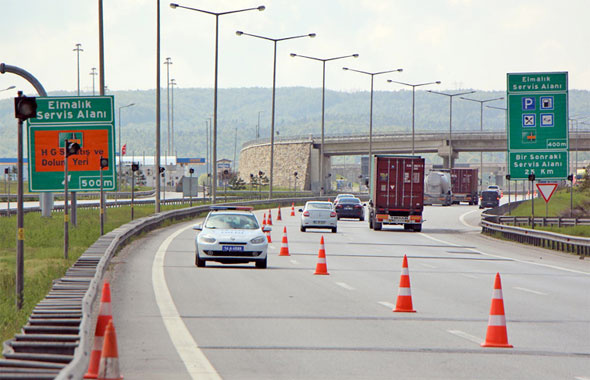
{"x": 321, "y": 267}
{"x": 497, "y": 336}
{"x": 404, "y": 295}
{"x": 109, "y": 360}
{"x": 105, "y": 316}
{"x": 284, "y": 244}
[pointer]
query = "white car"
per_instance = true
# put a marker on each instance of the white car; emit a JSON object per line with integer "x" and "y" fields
{"x": 317, "y": 214}
{"x": 496, "y": 188}
{"x": 231, "y": 235}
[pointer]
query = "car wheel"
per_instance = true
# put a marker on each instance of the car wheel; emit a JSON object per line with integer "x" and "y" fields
{"x": 198, "y": 261}
{"x": 261, "y": 264}
{"x": 378, "y": 226}
{"x": 334, "y": 229}
{"x": 417, "y": 227}
{"x": 362, "y": 219}
{"x": 370, "y": 223}
{"x": 302, "y": 229}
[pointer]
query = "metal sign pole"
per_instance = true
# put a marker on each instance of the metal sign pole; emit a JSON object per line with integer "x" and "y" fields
{"x": 101, "y": 201}
{"x": 66, "y": 217}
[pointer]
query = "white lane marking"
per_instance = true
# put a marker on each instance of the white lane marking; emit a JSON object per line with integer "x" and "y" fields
{"x": 428, "y": 265}
{"x": 387, "y": 304}
{"x": 581, "y": 378}
{"x": 462, "y": 219}
{"x": 196, "y": 363}
{"x": 294, "y": 262}
{"x": 464, "y": 335}
{"x": 509, "y": 258}
{"x": 469, "y": 276}
{"x": 531, "y": 291}
{"x": 345, "y": 286}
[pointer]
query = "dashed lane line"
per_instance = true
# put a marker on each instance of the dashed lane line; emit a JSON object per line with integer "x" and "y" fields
{"x": 345, "y": 286}
{"x": 530, "y": 291}
{"x": 464, "y": 335}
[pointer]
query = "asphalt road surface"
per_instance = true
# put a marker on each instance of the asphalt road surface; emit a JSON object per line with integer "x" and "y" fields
{"x": 177, "y": 321}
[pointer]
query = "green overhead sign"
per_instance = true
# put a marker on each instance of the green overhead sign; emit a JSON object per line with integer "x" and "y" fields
{"x": 86, "y": 120}
{"x": 538, "y": 141}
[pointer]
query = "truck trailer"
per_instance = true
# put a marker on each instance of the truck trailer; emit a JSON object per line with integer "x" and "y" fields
{"x": 464, "y": 185}
{"x": 437, "y": 188}
{"x": 397, "y": 192}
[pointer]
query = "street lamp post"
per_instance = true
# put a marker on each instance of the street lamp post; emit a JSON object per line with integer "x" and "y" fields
{"x": 507, "y": 158}
{"x": 451, "y": 96}
{"x": 323, "y": 60}
{"x": 371, "y": 106}
{"x": 216, "y": 14}
{"x": 274, "y": 80}
{"x": 168, "y": 63}
{"x": 172, "y": 84}
{"x": 78, "y": 49}
{"x": 481, "y": 103}
{"x": 413, "y": 103}
{"x": 258, "y": 125}
{"x": 120, "y": 151}
{"x": 93, "y": 73}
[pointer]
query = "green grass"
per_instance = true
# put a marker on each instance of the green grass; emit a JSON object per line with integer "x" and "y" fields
{"x": 559, "y": 205}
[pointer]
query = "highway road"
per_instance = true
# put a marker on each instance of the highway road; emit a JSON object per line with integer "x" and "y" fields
{"x": 177, "y": 321}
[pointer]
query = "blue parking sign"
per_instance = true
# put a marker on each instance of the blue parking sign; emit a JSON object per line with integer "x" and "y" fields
{"x": 528, "y": 103}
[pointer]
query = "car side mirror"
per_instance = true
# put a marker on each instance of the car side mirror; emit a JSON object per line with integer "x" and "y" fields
{"x": 266, "y": 228}
{"x": 198, "y": 227}
{"x": 300, "y": 210}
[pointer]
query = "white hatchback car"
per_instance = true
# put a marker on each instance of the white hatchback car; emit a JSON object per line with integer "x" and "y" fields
{"x": 231, "y": 235}
{"x": 318, "y": 214}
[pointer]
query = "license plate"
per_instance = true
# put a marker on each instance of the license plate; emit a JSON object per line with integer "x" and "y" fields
{"x": 232, "y": 248}
{"x": 319, "y": 222}
{"x": 348, "y": 208}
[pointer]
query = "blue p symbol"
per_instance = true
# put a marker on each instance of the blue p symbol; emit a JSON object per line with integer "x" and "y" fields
{"x": 528, "y": 103}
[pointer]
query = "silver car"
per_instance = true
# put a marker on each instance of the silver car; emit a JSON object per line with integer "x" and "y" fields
{"x": 231, "y": 235}
{"x": 317, "y": 214}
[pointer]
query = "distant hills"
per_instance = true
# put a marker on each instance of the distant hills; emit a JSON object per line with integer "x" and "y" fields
{"x": 298, "y": 112}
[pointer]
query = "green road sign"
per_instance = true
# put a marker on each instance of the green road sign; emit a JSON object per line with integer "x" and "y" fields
{"x": 538, "y": 141}
{"x": 86, "y": 120}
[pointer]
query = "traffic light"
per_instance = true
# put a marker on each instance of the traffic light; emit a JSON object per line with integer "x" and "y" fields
{"x": 25, "y": 108}
{"x": 72, "y": 148}
{"x": 162, "y": 169}
{"x": 295, "y": 174}
{"x": 191, "y": 170}
{"x": 508, "y": 177}
{"x": 260, "y": 173}
{"x": 134, "y": 166}
{"x": 104, "y": 162}
{"x": 5, "y": 170}
{"x": 531, "y": 177}
{"x": 570, "y": 177}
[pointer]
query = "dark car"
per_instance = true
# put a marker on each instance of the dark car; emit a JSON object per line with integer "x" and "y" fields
{"x": 489, "y": 198}
{"x": 350, "y": 208}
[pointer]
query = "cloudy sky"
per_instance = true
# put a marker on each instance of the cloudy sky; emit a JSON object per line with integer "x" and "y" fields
{"x": 463, "y": 43}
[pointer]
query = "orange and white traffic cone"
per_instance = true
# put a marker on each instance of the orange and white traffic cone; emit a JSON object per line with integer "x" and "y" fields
{"x": 109, "y": 360}
{"x": 497, "y": 335}
{"x": 284, "y": 244}
{"x": 268, "y": 238}
{"x": 321, "y": 267}
{"x": 293, "y": 209}
{"x": 279, "y": 215}
{"x": 105, "y": 315}
{"x": 264, "y": 220}
{"x": 404, "y": 295}
{"x": 269, "y": 222}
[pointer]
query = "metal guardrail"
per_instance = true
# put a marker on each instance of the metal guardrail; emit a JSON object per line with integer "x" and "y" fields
{"x": 544, "y": 239}
{"x": 57, "y": 339}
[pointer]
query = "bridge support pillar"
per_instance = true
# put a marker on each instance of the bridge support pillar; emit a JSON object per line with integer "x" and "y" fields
{"x": 444, "y": 153}
{"x": 316, "y": 183}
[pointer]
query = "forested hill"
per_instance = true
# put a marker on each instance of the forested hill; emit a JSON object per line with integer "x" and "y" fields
{"x": 298, "y": 112}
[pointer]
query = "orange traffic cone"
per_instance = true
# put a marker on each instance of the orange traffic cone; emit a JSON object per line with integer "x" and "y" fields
{"x": 321, "y": 267}
{"x": 279, "y": 215}
{"x": 269, "y": 218}
{"x": 104, "y": 317}
{"x": 268, "y": 238}
{"x": 284, "y": 244}
{"x": 109, "y": 361}
{"x": 404, "y": 295}
{"x": 497, "y": 336}
{"x": 293, "y": 209}
{"x": 264, "y": 220}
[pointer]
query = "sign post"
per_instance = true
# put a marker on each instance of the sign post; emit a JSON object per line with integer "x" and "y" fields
{"x": 546, "y": 190}
{"x": 538, "y": 140}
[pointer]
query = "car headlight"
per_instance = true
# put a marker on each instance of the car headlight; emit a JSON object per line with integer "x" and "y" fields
{"x": 207, "y": 239}
{"x": 258, "y": 240}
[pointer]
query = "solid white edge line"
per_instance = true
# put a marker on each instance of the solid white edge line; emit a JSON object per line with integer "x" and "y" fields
{"x": 462, "y": 219}
{"x": 386, "y": 304}
{"x": 508, "y": 258}
{"x": 196, "y": 363}
{"x": 464, "y": 335}
{"x": 294, "y": 262}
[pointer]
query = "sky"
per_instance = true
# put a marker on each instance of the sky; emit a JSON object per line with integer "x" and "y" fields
{"x": 462, "y": 43}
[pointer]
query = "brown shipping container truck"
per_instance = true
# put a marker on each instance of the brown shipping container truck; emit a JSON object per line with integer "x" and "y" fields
{"x": 397, "y": 192}
{"x": 464, "y": 185}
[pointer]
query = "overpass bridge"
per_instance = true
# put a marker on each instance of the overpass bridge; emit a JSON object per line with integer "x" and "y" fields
{"x": 301, "y": 153}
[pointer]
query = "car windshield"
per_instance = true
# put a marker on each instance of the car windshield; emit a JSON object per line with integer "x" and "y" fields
{"x": 232, "y": 222}
{"x": 349, "y": 201}
{"x": 319, "y": 206}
